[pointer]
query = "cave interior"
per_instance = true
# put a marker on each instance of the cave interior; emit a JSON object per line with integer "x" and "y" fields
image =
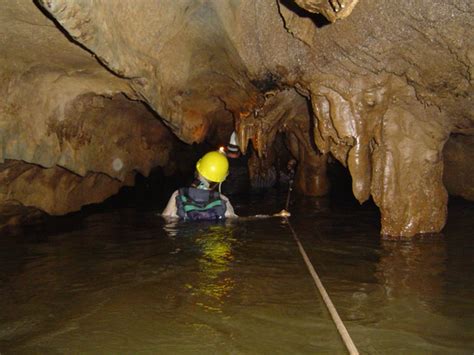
{"x": 108, "y": 105}
{"x": 98, "y": 96}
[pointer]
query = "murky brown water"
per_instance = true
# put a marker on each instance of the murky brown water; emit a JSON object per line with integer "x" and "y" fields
{"x": 124, "y": 281}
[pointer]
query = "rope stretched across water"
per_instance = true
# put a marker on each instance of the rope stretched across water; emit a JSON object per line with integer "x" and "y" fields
{"x": 341, "y": 328}
{"x": 346, "y": 338}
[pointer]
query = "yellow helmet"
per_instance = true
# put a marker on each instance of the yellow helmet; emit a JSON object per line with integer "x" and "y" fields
{"x": 213, "y": 166}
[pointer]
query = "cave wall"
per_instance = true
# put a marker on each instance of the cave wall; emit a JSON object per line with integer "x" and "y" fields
{"x": 459, "y": 168}
{"x": 71, "y": 132}
{"x": 387, "y": 83}
{"x": 387, "y": 95}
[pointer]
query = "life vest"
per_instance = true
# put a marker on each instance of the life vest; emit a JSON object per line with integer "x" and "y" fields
{"x": 198, "y": 204}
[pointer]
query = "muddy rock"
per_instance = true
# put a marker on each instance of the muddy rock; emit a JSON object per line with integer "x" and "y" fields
{"x": 71, "y": 132}
{"x": 54, "y": 190}
{"x": 458, "y": 175}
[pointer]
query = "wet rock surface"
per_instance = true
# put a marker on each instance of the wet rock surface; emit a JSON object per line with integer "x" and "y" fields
{"x": 459, "y": 168}
{"x": 72, "y": 133}
{"x": 54, "y": 190}
{"x": 379, "y": 85}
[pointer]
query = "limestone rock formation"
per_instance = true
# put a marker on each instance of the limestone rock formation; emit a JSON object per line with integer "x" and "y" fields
{"x": 331, "y": 9}
{"x": 385, "y": 103}
{"x": 459, "y": 167}
{"x": 68, "y": 134}
{"x": 379, "y": 85}
{"x": 54, "y": 190}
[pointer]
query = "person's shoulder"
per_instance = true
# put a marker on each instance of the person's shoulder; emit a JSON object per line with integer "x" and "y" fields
{"x": 224, "y": 197}
{"x": 174, "y": 194}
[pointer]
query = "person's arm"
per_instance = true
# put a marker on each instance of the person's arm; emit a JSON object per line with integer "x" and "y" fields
{"x": 229, "y": 212}
{"x": 171, "y": 210}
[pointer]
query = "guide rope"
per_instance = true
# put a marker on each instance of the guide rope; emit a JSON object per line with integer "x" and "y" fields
{"x": 346, "y": 338}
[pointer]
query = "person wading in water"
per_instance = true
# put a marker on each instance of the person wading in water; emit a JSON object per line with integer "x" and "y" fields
{"x": 201, "y": 201}
{"x": 238, "y": 181}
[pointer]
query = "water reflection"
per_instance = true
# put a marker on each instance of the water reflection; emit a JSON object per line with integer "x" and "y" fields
{"x": 214, "y": 245}
{"x": 171, "y": 227}
{"x": 117, "y": 283}
{"x": 412, "y": 268}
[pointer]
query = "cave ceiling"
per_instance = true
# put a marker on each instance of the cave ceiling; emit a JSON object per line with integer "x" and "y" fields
{"x": 95, "y": 91}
